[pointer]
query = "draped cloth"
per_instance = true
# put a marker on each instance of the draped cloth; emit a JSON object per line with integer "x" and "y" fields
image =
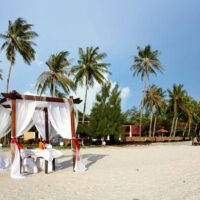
{"x": 5, "y": 121}
{"x": 79, "y": 166}
{"x": 24, "y": 113}
{"x": 59, "y": 116}
{"x": 39, "y": 121}
{"x": 5, "y": 124}
{"x": 4, "y": 161}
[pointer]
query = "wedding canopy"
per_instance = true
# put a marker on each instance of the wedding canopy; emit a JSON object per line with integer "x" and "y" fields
{"x": 50, "y": 116}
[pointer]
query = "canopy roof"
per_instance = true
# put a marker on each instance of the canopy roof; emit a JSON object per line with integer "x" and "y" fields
{"x": 15, "y": 95}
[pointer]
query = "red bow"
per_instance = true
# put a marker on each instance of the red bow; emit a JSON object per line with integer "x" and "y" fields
{"x": 77, "y": 145}
{"x": 14, "y": 141}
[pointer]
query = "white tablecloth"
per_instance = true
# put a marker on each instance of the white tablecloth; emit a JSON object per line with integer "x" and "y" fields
{"x": 47, "y": 154}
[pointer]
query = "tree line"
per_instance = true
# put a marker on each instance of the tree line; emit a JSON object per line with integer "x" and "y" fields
{"x": 61, "y": 77}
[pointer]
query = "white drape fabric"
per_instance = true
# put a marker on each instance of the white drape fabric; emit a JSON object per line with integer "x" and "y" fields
{"x": 5, "y": 121}
{"x": 39, "y": 121}
{"x": 24, "y": 113}
{"x": 79, "y": 166}
{"x": 15, "y": 169}
{"x": 4, "y": 161}
{"x": 76, "y": 118}
{"x": 59, "y": 116}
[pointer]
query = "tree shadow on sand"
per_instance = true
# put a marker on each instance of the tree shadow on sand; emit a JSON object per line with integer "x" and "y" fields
{"x": 90, "y": 159}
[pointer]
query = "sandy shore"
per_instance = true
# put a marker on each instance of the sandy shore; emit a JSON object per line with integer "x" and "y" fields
{"x": 150, "y": 172}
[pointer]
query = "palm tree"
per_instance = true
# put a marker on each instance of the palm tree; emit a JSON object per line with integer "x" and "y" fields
{"x": 90, "y": 68}
{"x": 57, "y": 76}
{"x": 176, "y": 104}
{"x": 18, "y": 38}
{"x": 154, "y": 101}
{"x": 145, "y": 63}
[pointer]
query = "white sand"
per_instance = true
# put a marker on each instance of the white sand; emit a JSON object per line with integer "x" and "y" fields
{"x": 150, "y": 172}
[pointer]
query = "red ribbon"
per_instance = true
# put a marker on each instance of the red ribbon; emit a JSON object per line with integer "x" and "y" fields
{"x": 77, "y": 145}
{"x": 77, "y": 148}
{"x": 14, "y": 141}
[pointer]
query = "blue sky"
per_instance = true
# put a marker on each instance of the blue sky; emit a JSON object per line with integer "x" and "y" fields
{"x": 117, "y": 27}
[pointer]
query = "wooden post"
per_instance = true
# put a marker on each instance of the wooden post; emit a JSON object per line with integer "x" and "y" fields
{"x": 47, "y": 135}
{"x": 72, "y": 113}
{"x": 46, "y": 125}
{"x": 13, "y": 128}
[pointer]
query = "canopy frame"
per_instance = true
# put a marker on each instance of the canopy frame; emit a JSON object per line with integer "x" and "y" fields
{"x": 14, "y": 95}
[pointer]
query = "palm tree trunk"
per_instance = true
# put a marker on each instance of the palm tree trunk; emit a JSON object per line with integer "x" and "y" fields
{"x": 172, "y": 126}
{"x": 185, "y": 130}
{"x": 84, "y": 108}
{"x": 150, "y": 126}
{"x": 7, "y": 90}
{"x": 142, "y": 107}
{"x": 54, "y": 87}
{"x": 195, "y": 130}
{"x": 189, "y": 129}
{"x": 154, "y": 126}
{"x": 175, "y": 127}
{"x": 8, "y": 78}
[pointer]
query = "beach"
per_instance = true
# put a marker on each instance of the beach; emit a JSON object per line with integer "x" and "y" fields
{"x": 162, "y": 171}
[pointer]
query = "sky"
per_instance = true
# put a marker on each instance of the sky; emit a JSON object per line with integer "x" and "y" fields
{"x": 118, "y": 27}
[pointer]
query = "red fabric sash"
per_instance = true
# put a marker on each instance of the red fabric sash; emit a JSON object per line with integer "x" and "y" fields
{"x": 14, "y": 141}
{"x": 77, "y": 145}
{"x": 77, "y": 148}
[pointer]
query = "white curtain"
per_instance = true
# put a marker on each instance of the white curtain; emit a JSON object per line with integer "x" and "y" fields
{"x": 39, "y": 121}
{"x": 4, "y": 161}
{"x": 5, "y": 121}
{"x": 76, "y": 118}
{"x": 59, "y": 116}
{"x": 15, "y": 169}
{"x": 24, "y": 113}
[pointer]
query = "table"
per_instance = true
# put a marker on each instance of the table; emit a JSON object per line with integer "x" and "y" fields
{"x": 49, "y": 155}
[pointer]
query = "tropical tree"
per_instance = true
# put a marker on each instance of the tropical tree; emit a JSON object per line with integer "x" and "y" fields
{"x": 191, "y": 109}
{"x": 176, "y": 104}
{"x": 154, "y": 101}
{"x": 106, "y": 117}
{"x": 57, "y": 76}
{"x": 18, "y": 38}
{"x": 145, "y": 63}
{"x": 90, "y": 68}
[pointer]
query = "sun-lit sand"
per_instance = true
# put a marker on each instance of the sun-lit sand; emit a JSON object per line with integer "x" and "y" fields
{"x": 147, "y": 172}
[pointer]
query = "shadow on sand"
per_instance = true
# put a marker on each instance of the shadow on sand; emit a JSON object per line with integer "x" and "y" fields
{"x": 90, "y": 159}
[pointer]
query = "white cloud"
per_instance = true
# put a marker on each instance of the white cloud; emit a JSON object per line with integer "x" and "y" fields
{"x": 91, "y": 97}
{"x": 38, "y": 61}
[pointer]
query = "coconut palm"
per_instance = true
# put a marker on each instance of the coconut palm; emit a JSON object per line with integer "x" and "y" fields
{"x": 153, "y": 101}
{"x": 145, "y": 63}
{"x": 57, "y": 76}
{"x": 176, "y": 104}
{"x": 18, "y": 38}
{"x": 90, "y": 68}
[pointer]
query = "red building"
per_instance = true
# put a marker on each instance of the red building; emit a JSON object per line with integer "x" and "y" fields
{"x": 133, "y": 130}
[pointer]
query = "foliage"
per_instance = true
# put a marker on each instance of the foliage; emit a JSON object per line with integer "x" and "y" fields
{"x": 57, "y": 76}
{"x": 90, "y": 68}
{"x": 132, "y": 115}
{"x": 18, "y": 38}
{"x": 145, "y": 63}
{"x": 106, "y": 117}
